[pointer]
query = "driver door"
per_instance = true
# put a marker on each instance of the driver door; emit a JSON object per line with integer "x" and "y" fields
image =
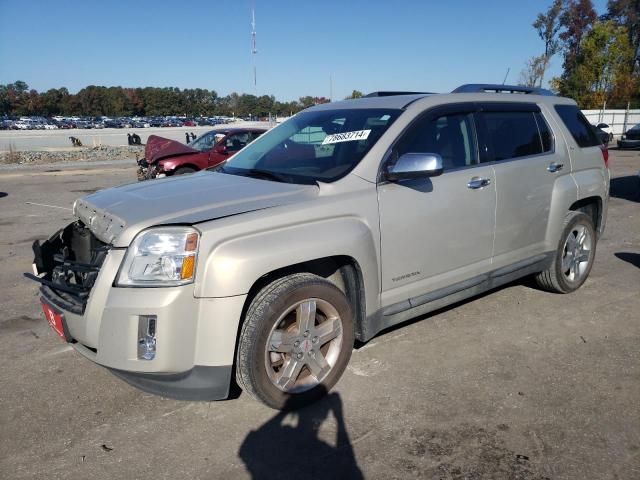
{"x": 437, "y": 231}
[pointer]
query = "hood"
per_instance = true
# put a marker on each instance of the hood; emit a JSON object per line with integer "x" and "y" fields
{"x": 158, "y": 148}
{"x": 116, "y": 215}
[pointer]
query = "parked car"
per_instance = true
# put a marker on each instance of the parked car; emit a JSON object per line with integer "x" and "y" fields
{"x": 631, "y": 138}
{"x": 165, "y": 157}
{"x": 606, "y": 128}
{"x": 603, "y": 136}
{"x": 346, "y": 219}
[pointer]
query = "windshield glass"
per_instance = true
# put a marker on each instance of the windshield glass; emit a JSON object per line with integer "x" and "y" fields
{"x": 313, "y": 146}
{"x": 206, "y": 141}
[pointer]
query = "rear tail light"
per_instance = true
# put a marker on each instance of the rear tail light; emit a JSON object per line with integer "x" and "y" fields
{"x": 605, "y": 155}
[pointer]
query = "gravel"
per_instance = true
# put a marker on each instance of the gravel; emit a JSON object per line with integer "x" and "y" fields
{"x": 83, "y": 154}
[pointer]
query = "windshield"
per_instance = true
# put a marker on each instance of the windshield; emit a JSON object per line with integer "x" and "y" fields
{"x": 313, "y": 146}
{"x": 207, "y": 141}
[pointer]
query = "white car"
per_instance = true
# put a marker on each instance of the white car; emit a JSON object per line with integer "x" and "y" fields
{"x": 50, "y": 126}
{"x": 21, "y": 125}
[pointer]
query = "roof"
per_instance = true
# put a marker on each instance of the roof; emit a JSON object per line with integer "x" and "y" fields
{"x": 388, "y": 101}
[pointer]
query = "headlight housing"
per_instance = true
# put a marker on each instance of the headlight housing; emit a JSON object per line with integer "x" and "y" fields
{"x": 161, "y": 257}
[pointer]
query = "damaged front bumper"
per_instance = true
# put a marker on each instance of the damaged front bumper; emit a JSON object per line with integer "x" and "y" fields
{"x": 148, "y": 171}
{"x": 194, "y": 346}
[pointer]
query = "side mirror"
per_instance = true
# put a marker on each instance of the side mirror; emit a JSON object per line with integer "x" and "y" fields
{"x": 415, "y": 165}
{"x": 221, "y": 148}
{"x": 602, "y": 125}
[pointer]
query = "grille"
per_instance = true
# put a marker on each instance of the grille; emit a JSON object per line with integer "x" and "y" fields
{"x": 68, "y": 264}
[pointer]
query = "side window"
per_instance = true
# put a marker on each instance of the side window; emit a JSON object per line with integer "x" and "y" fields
{"x": 450, "y": 136}
{"x": 581, "y": 130}
{"x": 512, "y": 134}
{"x": 237, "y": 141}
{"x": 545, "y": 132}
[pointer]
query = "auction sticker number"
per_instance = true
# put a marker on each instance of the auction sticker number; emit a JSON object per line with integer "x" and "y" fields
{"x": 346, "y": 137}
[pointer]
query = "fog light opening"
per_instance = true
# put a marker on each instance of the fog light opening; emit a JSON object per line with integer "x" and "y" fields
{"x": 147, "y": 337}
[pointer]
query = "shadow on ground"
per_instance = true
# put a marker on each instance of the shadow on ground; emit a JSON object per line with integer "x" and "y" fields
{"x": 626, "y": 188}
{"x": 289, "y": 445}
{"x": 632, "y": 258}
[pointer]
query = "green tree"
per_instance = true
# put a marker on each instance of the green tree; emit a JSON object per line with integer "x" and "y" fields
{"x": 627, "y": 13}
{"x": 602, "y": 67}
{"x": 354, "y": 94}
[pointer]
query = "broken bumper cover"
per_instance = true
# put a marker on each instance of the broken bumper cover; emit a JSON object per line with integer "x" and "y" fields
{"x": 199, "y": 383}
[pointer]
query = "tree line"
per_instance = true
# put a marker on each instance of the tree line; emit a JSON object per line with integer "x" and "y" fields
{"x": 18, "y": 99}
{"x": 600, "y": 54}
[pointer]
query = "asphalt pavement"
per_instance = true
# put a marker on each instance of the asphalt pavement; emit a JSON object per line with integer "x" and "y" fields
{"x": 515, "y": 384}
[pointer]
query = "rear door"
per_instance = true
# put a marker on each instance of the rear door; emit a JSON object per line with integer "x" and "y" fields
{"x": 520, "y": 146}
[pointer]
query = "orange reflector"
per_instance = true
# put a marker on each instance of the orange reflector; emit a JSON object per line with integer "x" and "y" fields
{"x": 192, "y": 242}
{"x": 188, "y": 264}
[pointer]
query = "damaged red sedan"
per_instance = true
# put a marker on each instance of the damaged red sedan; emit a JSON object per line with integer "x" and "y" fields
{"x": 165, "y": 157}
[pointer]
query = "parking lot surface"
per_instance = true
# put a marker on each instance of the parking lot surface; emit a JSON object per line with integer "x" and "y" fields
{"x": 518, "y": 383}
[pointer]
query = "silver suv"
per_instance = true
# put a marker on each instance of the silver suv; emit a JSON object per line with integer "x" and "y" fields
{"x": 346, "y": 219}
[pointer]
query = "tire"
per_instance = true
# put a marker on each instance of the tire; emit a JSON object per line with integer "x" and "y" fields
{"x": 565, "y": 275}
{"x": 184, "y": 171}
{"x": 266, "y": 353}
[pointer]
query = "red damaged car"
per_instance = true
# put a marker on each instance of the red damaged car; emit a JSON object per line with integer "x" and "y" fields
{"x": 164, "y": 157}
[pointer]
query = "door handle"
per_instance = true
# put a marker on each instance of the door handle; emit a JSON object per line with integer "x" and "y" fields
{"x": 555, "y": 167}
{"x": 478, "y": 182}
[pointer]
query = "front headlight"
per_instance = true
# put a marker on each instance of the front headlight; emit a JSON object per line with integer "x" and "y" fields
{"x": 161, "y": 257}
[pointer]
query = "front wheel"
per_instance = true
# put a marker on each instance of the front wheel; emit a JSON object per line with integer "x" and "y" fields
{"x": 184, "y": 171}
{"x": 295, "y": 342}
{"x": 574, "y": 255}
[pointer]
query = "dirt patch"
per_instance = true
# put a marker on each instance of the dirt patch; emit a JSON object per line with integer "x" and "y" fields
{"x": 20, "y": 323}
{"x": 465, "y": 452}
{"x": 89, "y": 190}
{"x": 25, "y": 240}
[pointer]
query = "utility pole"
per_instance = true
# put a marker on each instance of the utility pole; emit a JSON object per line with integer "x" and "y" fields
{"x": 331, "y": 87}
{"x": 506, "y": 75}
{"x": 254, "y": 50}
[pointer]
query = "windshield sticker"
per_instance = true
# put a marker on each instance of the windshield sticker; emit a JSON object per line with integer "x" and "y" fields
{"x": 346, "y": 137}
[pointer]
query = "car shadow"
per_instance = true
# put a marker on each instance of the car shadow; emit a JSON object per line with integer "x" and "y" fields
{"x": 626, "y": 188}
{"x": 3, "y": 194}
{"x": 279, "y": 450}
{"x": 632, "y": 258}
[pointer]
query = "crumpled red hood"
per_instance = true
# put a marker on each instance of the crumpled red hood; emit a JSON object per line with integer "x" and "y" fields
{"x": 158, "y": 148}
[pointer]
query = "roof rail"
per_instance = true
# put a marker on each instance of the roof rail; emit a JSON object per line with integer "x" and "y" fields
{"x": 391, "y": 94}
{"x": 487, "y": 87}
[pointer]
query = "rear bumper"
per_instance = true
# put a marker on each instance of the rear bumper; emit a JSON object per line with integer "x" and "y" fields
{"x": 199, "y": 383}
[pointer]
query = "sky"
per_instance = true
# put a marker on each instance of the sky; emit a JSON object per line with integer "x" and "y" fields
{"x": 368, "y": 45}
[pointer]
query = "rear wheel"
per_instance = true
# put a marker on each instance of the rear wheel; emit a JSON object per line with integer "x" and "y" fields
{"x": 574, "y": 256}
{"x": 295, "y": 342}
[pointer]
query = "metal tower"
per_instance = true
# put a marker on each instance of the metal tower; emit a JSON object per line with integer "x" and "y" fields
{"x": 254, "y": 50}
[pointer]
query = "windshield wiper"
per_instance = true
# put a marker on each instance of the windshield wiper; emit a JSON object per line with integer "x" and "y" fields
{"x": 264, "y": 174}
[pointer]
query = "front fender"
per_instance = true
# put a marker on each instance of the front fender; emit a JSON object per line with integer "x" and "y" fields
{"x": 234, "y": 265}
{"x": 172, "y": 164}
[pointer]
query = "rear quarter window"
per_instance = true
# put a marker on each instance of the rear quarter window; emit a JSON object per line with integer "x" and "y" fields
{"x": 579, "y": 127}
